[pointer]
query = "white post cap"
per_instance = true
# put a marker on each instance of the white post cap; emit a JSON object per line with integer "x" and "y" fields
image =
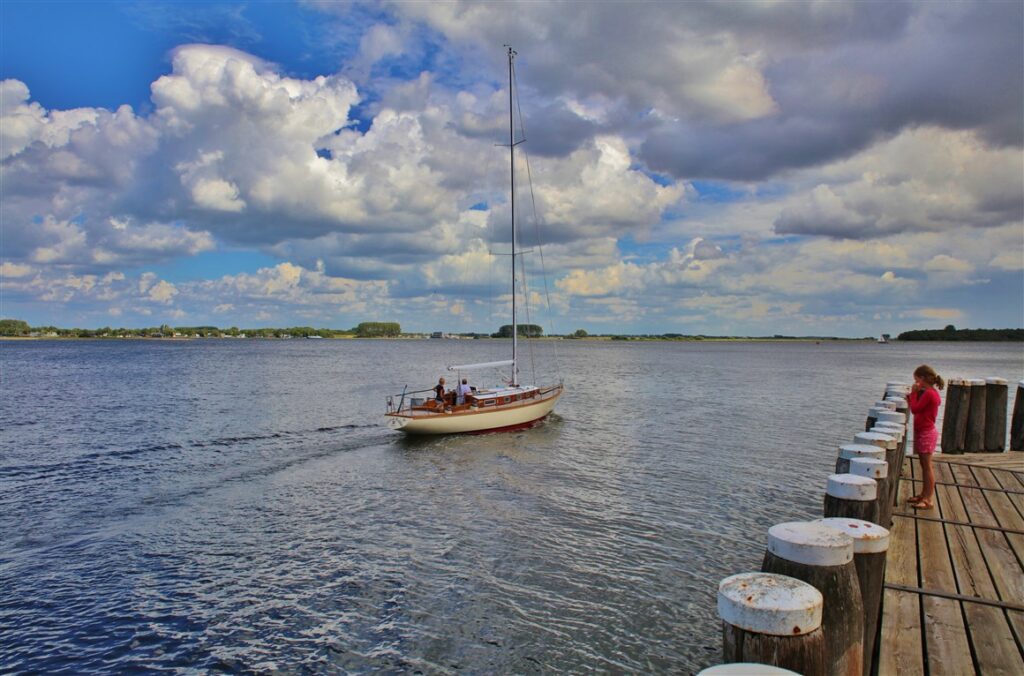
{"x": 851, "y": 451}
{"x": 893, "y": 416}
{"x": 875, "y": 439}
{"x": 1021, "y": 384}
{"x": 897, "y": 402}
{"x": 897, "y": 432}
{"x": 766, "y": 603}
{"x": 995, "y": 381}
{"x": 868, "y": 538}
{"x": 810, "y": 543}
{"x": 852, "y": 487}
{"x": 875, "y": 410}
{"x": 897, "y": 386}
{"x": 746, "y": 669}
{"x": 872, "y": 468}
{"x": 976, "y": 382}
{"x": 963, "y": 382}
{"x": 886, "y": 404}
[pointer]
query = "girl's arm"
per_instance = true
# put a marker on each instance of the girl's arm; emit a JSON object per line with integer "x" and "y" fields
{"x": 915, "y": 400}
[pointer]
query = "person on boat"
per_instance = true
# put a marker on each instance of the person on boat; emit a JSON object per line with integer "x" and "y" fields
{"x": 463, "y": 390}
{"x": 439, "y": 390}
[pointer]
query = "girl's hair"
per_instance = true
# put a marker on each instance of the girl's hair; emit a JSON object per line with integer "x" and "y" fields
{"x": 928, "y": 374}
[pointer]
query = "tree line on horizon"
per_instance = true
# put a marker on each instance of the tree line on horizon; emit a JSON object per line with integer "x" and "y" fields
{"x": 950, "y": 332}
{"x": 20, "y": 328}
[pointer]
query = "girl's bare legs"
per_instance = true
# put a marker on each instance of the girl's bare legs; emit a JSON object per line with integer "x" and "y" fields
{"x": 928, "y": 475}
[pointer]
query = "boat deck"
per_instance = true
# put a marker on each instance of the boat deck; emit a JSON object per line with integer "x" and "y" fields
{"x": 954, "y": 582}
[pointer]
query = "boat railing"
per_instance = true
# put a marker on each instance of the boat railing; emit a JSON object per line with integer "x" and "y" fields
{"x": 402, "y": 404}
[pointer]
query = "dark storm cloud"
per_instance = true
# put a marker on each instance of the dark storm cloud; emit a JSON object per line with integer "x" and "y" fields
{"x": 957, "y": 67}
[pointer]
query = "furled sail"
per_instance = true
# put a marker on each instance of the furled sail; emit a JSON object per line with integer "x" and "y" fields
{"x": 482, "y": 365}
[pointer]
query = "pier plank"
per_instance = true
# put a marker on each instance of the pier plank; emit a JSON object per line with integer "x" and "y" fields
{"x": 901, "y": 645}
{"x": 1009, "y": 481}
{"x": 988, "y": 629}
{"x": 946, "y": 645}
{"x": 957, "y": 635}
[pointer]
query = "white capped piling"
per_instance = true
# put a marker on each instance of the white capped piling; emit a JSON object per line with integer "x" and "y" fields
{"x": 1017, "y": 422}
{"x": 895, "y": 457}
{"x": 975, "y": 441}
{"x": 996, "y": 394}
{"x": 852, "y": 496}
{"x": 892, "y": 416}
{"x": 870, "y": 546}
{"x": 746, "y": 669}
{"x": 850, "y": 451}
{"x": 878, "y": 470}
{"x": 889, "y": 443}
{"x": 954, "y": 422}
{"x": 873, "y": 417}
{"x": 903, "y": 387}
{"x": 823, "y": 557}
{"x": 774, "y": 620}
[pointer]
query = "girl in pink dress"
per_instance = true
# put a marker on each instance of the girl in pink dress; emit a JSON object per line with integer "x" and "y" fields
{"x": 924, "y": 404}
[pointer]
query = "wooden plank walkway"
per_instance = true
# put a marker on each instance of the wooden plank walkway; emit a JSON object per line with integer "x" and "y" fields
{"x": 954, "y": 597}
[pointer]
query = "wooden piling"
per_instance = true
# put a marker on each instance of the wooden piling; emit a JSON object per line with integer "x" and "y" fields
{"x": 772, "y": 619}
{"x": 996, "y": 394}
{"x": 823, "y": 557}
{"x": 886, "y": 441}
{"x": 851, "y": 496}
{"x": 1017, "y": 422}
{"x": 954, "y": 422}
{"x": 851, "y": 451}
{"x": 875, "y": 410}
{"x": 894, "y": 456}
{"x": 975, "y": 440}
{"x": 878, "y": 470}
{"x": 745, "y": 669}
{"x": 870, "y": 546}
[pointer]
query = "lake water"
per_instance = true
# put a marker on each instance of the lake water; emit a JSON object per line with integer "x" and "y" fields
{"x": 239, "y": 505}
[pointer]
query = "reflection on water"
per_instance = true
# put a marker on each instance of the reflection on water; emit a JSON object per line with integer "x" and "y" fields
{"x": 240, "y": 506}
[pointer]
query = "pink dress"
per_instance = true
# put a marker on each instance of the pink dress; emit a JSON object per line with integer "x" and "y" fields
{"x": 924, "y": 404}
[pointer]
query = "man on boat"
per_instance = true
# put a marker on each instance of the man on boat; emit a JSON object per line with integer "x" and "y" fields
{"x": 463, "y": 390}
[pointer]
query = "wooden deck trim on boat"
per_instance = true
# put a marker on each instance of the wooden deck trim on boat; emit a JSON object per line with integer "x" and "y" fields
{"x": 522, "y": 403}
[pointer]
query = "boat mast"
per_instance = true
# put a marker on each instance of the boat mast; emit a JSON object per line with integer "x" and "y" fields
{"x": 512, "y": 201}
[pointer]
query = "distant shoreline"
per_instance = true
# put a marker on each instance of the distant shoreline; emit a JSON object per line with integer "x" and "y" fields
{"x": 592, "y": 339}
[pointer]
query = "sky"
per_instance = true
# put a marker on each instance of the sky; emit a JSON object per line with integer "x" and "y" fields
{"x": 720, "y": 168}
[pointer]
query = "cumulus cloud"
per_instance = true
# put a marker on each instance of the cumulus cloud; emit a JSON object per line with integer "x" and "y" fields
{"x": 923, "y": 179}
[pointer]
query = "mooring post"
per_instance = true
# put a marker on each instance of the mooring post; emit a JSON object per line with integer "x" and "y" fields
{"x": 878, "y": 470}
{"x": 886, "y": 441}
{"x": 823, "y": 557}
{"x": 954, "y": 422}
{"x": 975, "y": 441}
{"x": 1017, "y": 422}
{"x": 851, "y": 451}
{"x": 896, "y": 457}
{"x": 746, "y": 669}
{"x": 852, "y": 496}
{"x": 772, "y": 619}
{"x": 873, "y": 412}
{"x": 870, "y": 546}
{"x": 996, "y": 394}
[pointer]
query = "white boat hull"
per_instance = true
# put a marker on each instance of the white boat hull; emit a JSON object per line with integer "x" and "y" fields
{"x": 480, "y": 420}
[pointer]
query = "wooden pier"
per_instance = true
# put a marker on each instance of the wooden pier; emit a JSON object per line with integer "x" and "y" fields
{"x": 954, "y": 583}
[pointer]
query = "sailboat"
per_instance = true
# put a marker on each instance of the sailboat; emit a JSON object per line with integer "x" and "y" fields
{"x": 513, "y": 405}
